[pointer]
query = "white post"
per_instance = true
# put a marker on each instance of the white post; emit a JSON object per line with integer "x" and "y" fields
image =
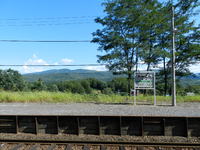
{"x": 134, "y": 90}
{"x": 173, "y": 62}
{"x": 154, "y": 85}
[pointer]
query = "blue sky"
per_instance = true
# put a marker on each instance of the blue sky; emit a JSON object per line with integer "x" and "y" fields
{"x": 48, "y": 20}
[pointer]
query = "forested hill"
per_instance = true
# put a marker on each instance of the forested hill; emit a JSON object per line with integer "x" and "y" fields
{"x": 66, "y": 74}
{"x": 191, "y": 80}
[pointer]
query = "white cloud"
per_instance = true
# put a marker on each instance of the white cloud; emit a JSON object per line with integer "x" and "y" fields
{"x": 195, "y": 68}
{"x": 97, "y": 68}
{"x": 34, "y": 60}
{"x": 66, "y": 61}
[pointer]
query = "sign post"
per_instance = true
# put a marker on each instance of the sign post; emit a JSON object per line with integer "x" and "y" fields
{"x": 144, "y": 80}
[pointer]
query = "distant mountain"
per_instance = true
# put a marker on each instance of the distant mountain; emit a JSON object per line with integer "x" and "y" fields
{"x": 55, "y": 71}
{"x": 66, "y": 74}
{"x": 191, "y": 79}
{"x": 197, "y": 75}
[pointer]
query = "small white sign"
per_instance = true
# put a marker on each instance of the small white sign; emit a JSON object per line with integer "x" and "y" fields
{"x": 144, "y": 80}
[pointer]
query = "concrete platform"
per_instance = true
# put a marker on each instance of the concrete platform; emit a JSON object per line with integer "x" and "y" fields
{"x": 84, "y": 109}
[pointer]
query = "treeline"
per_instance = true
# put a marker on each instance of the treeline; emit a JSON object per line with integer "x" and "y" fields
{"x": 11, "y": 80}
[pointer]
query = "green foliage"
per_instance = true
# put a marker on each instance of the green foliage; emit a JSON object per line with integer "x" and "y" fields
{"x": 58, "y": 97}
{"x": 76, "y": 87}
{"x": 52, "y": 88}
{"x": 11, "y": 80}
{"x": 140, "y": 30}
{"x": 39, "y": 85}
{"x": 97, "y": 84}
{"x": 122, "y": 34}
{"x": 187, "y": 42}
{"x": 119, "y": 85}
{"x": 67, "y": 97}
{"x": 79, "y": 86}
{"x": 86, "y": 86}
{"x": 188, "y": 89}
{"x": 107, "y": 91}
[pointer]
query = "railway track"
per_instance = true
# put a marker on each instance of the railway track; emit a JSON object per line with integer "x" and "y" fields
{"x": 99, "y": 131}
{"x": 84, "y": 145}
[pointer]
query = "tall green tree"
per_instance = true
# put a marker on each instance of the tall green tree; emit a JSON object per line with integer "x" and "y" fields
{"x": 187, "y": 39}
{"x": 140, "y": 30}
{"x": 122, "y": 34}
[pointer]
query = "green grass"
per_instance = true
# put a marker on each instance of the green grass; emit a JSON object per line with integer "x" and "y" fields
{"x": 59, "y": 97}
{"x": 167, "y": 99}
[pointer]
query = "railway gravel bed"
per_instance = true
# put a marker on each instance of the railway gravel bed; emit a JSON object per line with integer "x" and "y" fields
{"x": 54, "y": 146}
{"x": 99, "y": 139}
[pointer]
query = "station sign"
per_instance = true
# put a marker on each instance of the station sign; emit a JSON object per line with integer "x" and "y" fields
{"x": 144, "y": 80}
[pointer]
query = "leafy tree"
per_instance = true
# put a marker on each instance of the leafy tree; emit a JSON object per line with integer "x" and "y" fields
{"x": 86, "y": 85}
{"x": 187, "y": 40}
{"x": 61, "y": 86}
{"x": 76, "y": 87}
{"x": 141, "y": 30}
{"x": 129, "y": 34}
{"x": 11, "y": 80}
{"x": 52, "y": 87}
{"x": 71, "y": 86}
{"x": 150, "y": 29}
{"x": 119, "y": 38}
{"x": 39, "y": 85}
{"x": 119, "y": 85}
{"x": 97, "y": 84}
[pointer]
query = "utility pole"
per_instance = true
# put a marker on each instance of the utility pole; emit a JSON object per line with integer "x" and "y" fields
{"x": 173, "y": 61}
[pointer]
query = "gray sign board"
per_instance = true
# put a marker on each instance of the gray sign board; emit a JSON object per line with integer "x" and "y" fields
{"x": 144, "y": 80}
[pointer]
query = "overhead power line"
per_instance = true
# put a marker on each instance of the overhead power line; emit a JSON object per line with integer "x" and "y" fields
{"x": 46, "y": 21}
{"x": 48, "y": 41}
{"x": 45, "y": 24}
{"x": 77, "y": 65}
{"x": 48, "y": 18}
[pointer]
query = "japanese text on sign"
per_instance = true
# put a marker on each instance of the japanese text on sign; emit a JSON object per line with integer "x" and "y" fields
{"x": 144, "y": 80}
